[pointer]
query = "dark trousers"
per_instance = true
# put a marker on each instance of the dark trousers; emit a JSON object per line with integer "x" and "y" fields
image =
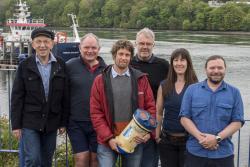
{"x": 150, "y": 155}
{"x": 195, "y": 161}
{"x": 172, "y": 151}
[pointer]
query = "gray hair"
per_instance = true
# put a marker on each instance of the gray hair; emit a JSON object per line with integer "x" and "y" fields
{"x": 147, "y": 32}
{"x": 92, "y": 36}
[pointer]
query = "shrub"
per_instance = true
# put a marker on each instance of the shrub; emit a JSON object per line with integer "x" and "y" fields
{"x": 7, "y": 159}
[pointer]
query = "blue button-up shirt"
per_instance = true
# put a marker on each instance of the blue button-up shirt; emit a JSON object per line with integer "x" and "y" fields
{"x": 115, "y": 74}
{"x": 211, "y": 111}
{"x": 45, "y": 70}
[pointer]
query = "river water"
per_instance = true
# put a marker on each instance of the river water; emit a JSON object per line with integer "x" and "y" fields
{"x": 234, "y": 48}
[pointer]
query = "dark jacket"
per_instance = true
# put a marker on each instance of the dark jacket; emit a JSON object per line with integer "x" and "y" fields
{"x": 29, "y": 108}
{"x": 101, "y": 101}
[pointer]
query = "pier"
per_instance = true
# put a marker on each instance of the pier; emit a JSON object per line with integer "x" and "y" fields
{"x": 9, "y": 56}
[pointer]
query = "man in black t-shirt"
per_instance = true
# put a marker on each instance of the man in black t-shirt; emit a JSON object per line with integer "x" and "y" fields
{"x": 157, "y": 70}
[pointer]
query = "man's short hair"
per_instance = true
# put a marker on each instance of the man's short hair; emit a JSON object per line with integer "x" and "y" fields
{"x": 147, "y": 32}
{"x": 214, "y": 57}
{"x": 90, "y": 35}
{"x": 122, "y": 44}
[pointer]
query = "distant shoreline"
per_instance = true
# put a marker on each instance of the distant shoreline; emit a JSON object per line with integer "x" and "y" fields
{"x": 160, "y": 30}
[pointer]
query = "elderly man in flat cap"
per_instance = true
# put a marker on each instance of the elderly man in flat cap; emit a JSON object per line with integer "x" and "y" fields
{"x": 39, "y": 104}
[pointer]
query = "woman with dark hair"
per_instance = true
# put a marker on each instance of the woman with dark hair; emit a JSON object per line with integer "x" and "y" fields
{"x": 170, "y": 135}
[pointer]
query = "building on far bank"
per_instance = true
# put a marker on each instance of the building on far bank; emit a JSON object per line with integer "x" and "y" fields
{"x": 216, "y": 4}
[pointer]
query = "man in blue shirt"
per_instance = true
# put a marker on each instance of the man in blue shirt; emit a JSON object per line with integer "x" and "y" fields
{"x": 211, "y": 111}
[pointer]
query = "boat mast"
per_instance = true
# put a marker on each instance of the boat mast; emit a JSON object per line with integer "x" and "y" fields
{"x": 74, "y": 26}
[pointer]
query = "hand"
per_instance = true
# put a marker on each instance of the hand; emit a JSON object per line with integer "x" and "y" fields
{"x": 158, "y": 139}
{"x": 113, "y": 143}
{"x": 62, "y": 130}
{"x": 142, "y": 139}
{"x": 209, "y": 142}
{"x": 17, "y": 133}
{"x": 213, "y": 147}
{"x": 201, "y": 137}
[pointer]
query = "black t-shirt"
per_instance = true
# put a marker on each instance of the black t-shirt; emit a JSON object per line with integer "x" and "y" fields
{"x": 156, "y": 68}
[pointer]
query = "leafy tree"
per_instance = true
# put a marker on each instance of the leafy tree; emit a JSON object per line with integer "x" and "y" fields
{"x": 201, "y": 16}
{"x": 233, "y": 17}
{"x": 185, "y": 11}
{"x": 186, "y": 25}
{"x": 156, "y": 14}
{"x": 70, "y": 8}
{"x": 174, "y": 23}
{"x": 52, "y": 12}
{"x": 125, "y": 11}
{"x": 246, "y": 23}
{"x": 216, "y": 19}
{"x": 135, "y": 20}
{"x": 111, "y": 13}
{"x": 3, "y": 9}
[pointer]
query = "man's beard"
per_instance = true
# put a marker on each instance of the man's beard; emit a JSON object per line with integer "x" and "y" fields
{"x": 216, "y": 82}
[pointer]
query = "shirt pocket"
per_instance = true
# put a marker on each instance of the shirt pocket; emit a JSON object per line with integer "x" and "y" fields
{"x": 199, "y": 110}
{"x": 224, "y": 111}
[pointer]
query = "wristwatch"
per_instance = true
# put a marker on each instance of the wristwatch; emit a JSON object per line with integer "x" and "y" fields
{"x": 218, "y": 138}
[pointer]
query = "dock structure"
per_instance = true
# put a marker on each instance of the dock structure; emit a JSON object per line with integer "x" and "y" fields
{"x": 11, "y": 51}
{"x": 7, "y": 64}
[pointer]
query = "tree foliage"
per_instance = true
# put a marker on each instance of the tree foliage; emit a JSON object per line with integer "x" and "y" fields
{"x": 156, "y": 14}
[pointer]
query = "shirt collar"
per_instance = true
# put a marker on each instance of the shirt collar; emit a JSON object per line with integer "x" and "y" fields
{"x": 148, "y": 61}
{"x": 223, "y": 85}
{"x": 115, "y": 74}
{"x": 51, "y": 59}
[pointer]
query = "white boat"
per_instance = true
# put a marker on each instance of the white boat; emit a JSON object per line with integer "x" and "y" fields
{"x": 22, "y": 24}
{"x": 21, "y": 27}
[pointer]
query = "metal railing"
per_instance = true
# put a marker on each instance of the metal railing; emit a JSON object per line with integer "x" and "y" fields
{"x": 237, "y": 137}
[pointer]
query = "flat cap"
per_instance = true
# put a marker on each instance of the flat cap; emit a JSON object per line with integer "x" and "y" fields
{"x": 42, "y": 32}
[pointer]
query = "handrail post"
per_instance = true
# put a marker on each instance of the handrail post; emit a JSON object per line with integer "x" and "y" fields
{"x": 10, "y": 137}
{"x": 249, "y": 154}
{"x": 67, "y": 160}
{"x": 238, "y": 156}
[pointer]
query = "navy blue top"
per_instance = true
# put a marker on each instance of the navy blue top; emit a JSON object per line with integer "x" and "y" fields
{"x": 80, "y": 83}
{"x": 211, "y": 112}
{"x": 172, "y": 105}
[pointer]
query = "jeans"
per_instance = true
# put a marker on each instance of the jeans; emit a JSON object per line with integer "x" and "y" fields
{"x": 38, "y": 147}
{"x": 21, "y": 154}
{"x": 107, "y": 157}
{"x": 150, "y": 155}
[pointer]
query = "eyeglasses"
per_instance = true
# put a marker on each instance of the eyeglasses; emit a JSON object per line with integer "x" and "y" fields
{"x": 40, "y": 42}
{"x": 145, "y": 43}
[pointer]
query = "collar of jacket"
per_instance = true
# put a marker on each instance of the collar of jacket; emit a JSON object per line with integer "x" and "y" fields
{"x": 100, "y": 60}
{"x": 31, "y": 65}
